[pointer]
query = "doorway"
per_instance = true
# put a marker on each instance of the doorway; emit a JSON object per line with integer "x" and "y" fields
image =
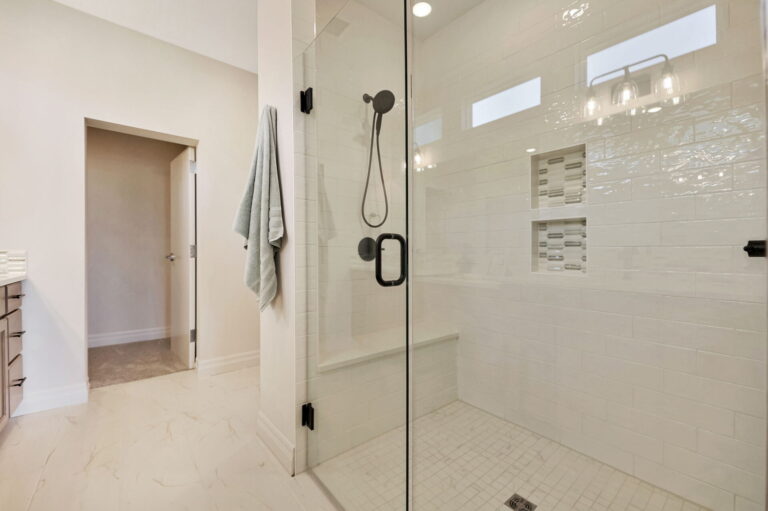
{"x": 141, "y": 256}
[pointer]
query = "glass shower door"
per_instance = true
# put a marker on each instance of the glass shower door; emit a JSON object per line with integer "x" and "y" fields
{"x": 589, "y": 332}
{"x": 356, "y": 348}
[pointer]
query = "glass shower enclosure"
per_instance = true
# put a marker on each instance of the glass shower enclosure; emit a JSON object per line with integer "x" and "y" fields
{"x": 580, "y": 325}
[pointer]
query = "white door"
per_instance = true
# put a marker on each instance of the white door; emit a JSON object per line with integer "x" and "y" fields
{"x": 183, "y": 257}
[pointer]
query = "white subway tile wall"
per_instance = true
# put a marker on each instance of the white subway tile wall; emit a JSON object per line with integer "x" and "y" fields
{"x": 654, "y": 360}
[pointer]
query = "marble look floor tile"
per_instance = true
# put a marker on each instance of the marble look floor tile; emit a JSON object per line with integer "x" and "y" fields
{"x": 177, "y": 442}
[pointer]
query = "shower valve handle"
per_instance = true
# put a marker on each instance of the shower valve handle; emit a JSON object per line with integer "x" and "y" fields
{"x": 403, "y": 259}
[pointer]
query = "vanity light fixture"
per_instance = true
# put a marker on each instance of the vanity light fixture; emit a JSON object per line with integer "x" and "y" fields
{"x": 625, "y": 92}
{"x": 530, "y": 150}
{"x": 417, "y": 158}
{"x": 592, "y": 105}
{"x": 668, "y": 84}
{"x": 421, "y": 9}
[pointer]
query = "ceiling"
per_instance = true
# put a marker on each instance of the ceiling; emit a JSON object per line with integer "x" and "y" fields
{"x": 443, "y": 13}
{"x": 223, "y": 30}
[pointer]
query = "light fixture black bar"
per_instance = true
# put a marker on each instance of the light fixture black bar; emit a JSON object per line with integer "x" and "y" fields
{"x": 661, "y": 55}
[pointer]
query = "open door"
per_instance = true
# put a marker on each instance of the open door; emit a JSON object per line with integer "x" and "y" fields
{"x": 183, "y": 258}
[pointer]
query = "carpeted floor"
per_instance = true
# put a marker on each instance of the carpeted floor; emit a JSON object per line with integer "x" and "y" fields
{"x": 122, "y": 363}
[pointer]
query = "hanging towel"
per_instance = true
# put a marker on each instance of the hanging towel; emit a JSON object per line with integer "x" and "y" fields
{"x": 260, "y": 216}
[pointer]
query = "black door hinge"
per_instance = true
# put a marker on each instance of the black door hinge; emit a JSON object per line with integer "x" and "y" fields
{"x": 755, "y": 248}
{"x": 308, "y": 416}
{"x": 305, "y": 99}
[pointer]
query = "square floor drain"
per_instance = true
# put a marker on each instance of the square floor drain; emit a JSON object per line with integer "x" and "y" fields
{"x": 518, "y": 503}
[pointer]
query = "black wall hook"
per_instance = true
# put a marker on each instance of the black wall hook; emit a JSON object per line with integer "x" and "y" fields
{"x": 305, "y": 100}
{"x": 755, "y": 248}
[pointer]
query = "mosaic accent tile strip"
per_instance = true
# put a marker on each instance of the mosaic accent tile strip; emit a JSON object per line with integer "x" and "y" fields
{"x": 562, "y": 245}
{"x": 561, "y": 178}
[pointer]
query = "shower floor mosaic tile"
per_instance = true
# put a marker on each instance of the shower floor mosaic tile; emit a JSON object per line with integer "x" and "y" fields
{"x": 467, "y": 459}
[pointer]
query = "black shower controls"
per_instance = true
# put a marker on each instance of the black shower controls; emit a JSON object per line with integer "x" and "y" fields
{"x": 366, "y": 249}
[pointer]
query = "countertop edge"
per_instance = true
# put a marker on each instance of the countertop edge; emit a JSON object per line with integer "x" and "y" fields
{"x": 12, "y": 279}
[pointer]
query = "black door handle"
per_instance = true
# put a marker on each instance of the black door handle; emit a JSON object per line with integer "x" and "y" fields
{"x": 403, "y": 259}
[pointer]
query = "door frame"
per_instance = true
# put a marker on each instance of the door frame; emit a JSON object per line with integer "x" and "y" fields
{"x": 154, "y": 135}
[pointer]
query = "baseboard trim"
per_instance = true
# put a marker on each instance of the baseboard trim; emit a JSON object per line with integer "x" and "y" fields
{"x": 283, "y": 450}
{"x": 127, "y": 336}
{"x": 41, "y": 400}
{"x": 229, "y": 363}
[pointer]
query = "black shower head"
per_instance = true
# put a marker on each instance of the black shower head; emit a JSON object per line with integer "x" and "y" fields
{"x": 382, "y": 102}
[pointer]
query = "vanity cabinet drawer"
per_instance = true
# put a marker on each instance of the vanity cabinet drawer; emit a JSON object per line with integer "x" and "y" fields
{"x": 13, "y": 296}
{"x": 5, "y": 413}
{"x": 14, "y": 324}
{"x": 16, "y": 383}
{"x": 15, "y": 334}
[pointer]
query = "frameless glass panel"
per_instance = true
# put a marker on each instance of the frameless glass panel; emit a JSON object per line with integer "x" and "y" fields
{"x": 356, "y": 180}
{"x": 588, "y": 332}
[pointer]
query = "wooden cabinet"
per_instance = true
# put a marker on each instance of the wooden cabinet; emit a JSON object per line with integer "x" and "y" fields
{"x": 5, "y": 408}
{"x": 11, "y": 346}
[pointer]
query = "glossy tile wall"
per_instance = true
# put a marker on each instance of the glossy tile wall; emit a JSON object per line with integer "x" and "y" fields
{"x": 652, "y": 361}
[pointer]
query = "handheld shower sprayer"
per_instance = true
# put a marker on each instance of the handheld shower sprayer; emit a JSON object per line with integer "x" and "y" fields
{"x": 382, "y": 103}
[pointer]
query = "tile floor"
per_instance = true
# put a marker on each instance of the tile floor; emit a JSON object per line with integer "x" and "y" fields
{"x": 173, "y": 443}
{"x": 133, "y": 361}
{"x": 467, "y": 459}
{"x": 176, "y": 442}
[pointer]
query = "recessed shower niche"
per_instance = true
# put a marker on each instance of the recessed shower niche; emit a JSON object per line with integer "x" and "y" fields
{"x": 560, "y": 246}
{"x": 559, "y": 177}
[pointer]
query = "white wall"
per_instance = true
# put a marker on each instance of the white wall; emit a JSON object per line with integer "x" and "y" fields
{"x": 128, "y": 231}
{"x": 277, "y": 415}
{"x": 654, "y": 361}
{"x": 224, "y": 30}
{"x": 61, "y": 66}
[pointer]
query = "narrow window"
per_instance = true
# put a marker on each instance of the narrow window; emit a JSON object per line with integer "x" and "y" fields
{"x": 511, "y": 101}
{"x": 428, "y": 132}
{"x": 684, "y": 35}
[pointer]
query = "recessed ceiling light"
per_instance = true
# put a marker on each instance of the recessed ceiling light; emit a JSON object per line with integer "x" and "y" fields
{"x": 421, "y": 9}
{"x": 530, "y": 150}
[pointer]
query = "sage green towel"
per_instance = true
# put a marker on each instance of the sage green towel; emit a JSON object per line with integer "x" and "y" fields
{"x": 260, "y": 216}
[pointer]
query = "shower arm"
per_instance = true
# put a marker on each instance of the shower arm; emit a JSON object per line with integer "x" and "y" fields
{"x": 626, "y": 68}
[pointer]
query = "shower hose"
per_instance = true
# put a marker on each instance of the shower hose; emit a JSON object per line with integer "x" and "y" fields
{"x": 375, "y": 130}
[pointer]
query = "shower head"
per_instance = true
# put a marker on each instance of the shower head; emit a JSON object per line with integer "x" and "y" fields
{"x": 382, "y": 102}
